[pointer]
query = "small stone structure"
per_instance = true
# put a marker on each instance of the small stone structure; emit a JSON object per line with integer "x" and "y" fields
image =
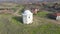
{"x": 27, "y": 17}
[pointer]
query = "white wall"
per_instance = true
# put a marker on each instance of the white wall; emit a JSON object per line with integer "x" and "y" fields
{"x": 58, "y": 18}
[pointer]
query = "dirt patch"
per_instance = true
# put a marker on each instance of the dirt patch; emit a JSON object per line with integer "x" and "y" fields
{"x": 6, "y": 11}
{"x": 40, "y": 21}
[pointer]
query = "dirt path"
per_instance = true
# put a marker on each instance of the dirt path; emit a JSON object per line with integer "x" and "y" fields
{"x": 50, "y": 20}
{"x": 39, "y": 19}
{"x": 16, "y": 13}
{"x": 53, "y": 21}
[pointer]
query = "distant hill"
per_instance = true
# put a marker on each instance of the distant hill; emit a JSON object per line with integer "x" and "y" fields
{"x": 22, "y": 1}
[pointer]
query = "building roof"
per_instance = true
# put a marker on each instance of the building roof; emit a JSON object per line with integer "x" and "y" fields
{"x": 27, "y": 12}
{"x": 56, "y": 14}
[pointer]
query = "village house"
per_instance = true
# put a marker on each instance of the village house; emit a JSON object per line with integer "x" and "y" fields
{"x": 58, "y": 16}
{"x": 55, "y": 16}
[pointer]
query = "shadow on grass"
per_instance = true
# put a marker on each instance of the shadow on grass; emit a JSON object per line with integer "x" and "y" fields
{"x": 50, "y": 16}
{"x": 18, "y": 19}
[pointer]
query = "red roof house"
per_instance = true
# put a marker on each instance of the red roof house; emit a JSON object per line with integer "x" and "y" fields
{"x": 56, "y": 16}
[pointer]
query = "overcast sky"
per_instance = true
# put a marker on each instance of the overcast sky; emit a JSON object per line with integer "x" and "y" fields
{"x": 28, "y": 0}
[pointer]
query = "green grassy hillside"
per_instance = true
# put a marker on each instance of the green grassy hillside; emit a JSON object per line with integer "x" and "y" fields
{"x": 10, "y": 24}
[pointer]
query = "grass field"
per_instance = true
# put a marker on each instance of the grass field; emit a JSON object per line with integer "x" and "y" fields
{"x": 42, "y": 14}
{"x": 11, "y": 25}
